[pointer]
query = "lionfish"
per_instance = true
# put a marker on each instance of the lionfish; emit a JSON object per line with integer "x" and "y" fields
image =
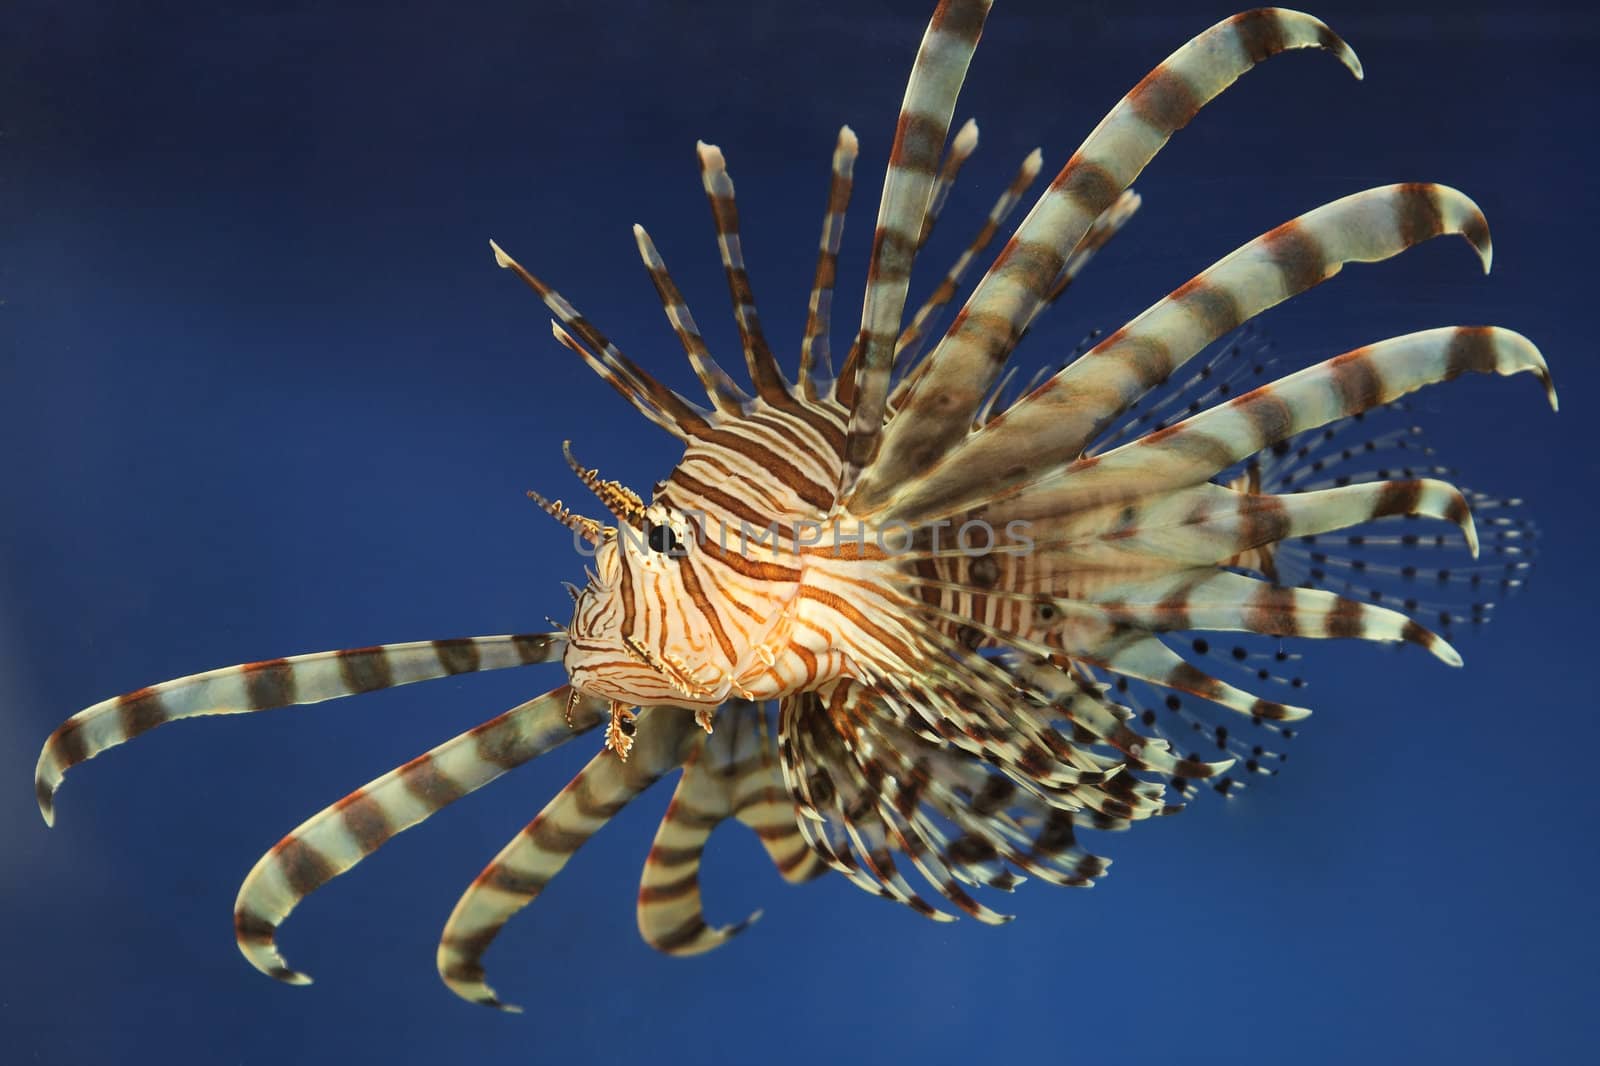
{"x": 958, "y": 705}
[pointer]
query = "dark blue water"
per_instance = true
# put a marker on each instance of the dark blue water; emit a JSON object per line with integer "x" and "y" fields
{"x": 266, "y": 393}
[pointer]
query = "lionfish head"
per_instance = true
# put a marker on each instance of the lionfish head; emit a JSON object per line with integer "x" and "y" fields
{"x": 636, "y": 636}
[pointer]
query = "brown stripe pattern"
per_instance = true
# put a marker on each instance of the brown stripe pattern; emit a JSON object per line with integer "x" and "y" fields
{"x": 727, "y": 396}
{"x": 936, "y": 77}
{"x": 967, "y": 361}
{"x": 734, "y": 774}
{"x": 911, "y": 338}
{"x": 1059, "y": 420}
{"x": 962, "y": 145}
{"x": 764, "y": 371}
{"x": 336, "y": 838}
{"x": 649, "y": 397}
{"x": 1108, "y": 225}
{"x": 816, "y": 362}
{"x": 662, "y": 741}
{"x": 1208, "y": 443}
{"x": 261, "y": 686}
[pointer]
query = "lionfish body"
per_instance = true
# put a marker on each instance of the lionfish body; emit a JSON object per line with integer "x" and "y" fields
{"x": 960, "y": 599}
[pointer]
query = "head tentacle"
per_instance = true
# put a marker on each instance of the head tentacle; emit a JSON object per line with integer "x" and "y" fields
{"x": 620, "y": 500}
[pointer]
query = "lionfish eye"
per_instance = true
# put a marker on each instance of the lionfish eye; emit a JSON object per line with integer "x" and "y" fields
{"x": 661, "y": 538}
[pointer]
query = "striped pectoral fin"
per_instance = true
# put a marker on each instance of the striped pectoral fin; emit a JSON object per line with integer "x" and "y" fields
{"x": 1396, "y": 564}
{"x": 724, "y": 394}
{"x": 937, "y": 859}
{"x": 962, "y": 368}
{"x": 1042, "y": 841}
{"x": 763, "y": 805}
{"x": 976, "y": 800}
{"x": 1211, "y": 523}
{"x": 728, "y": 773}
{"x": 984, "y": 842}
{"x": 1227, "y": 601}
{"x": 875, "y": 835}
{"x": 876, "y": 831}
{"x": 1420, "y": 572}
{"x": 903, "y": 806}
{"x": 670, "y": 918}
{"x": 912, "y": 337}
{"x": 862, "y": 795}
{"x": 772, "y": 818}
{"x": 1093, "y": 713}
{"x": 1365, "y": 227}
{"x": 884, "y": 777}
{"x": 1107, "y": 226}
{"x": 1151, "y": 473}
{"x": 273, "y": 683}
{"x": 1230, "y": 370}
{"x": 925, "y": 113}
{"x": 816, "y": 362}
{"x": 1140, "y": 654}
{"x": 1311, "y": 513}
{"x": 1062, "y": 417}
{"x": 336, "y": 838}
{"x": 994, "y": 400}
{"x": 534, "y": 856}
{"x": 810, "y": 770}
{"x": 670, "y": 912}
{"x": 1208, "y": 443}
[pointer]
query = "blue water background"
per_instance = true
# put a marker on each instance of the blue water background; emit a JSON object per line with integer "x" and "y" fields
{"x": 265, "y": 392}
